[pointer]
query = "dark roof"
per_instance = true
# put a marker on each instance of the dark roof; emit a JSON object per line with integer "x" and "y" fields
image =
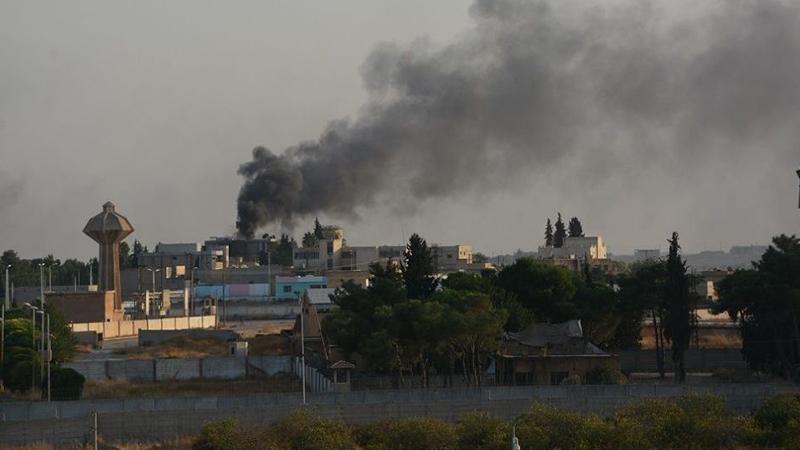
{"x": 549, "y": 339}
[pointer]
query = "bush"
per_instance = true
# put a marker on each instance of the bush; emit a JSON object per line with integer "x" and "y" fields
{"x": 779, "y": 417}
{"x": 67, "y": 384}
{"x": 19, "y": 376}
{"x": 545, "y": 427}
{"x": 480, "y": 431}
{"x": 301, "y": 430}
{"x": 223, "y": 435}
{"x": 414, "y": 434}
{"x": 598, "y": 433}
{"x": 606, "y": 374}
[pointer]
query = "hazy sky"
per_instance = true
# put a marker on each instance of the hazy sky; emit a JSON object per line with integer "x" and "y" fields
{"x": 154, "y": 105}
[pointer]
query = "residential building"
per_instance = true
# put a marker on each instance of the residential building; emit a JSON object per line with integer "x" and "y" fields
{"x": 591, "y": 247}
{"x": 326, "y": 255}
{"x": 545, "y": 353}
{"x": 337, "y": 278}
{"x": 293, "y": 288}
{"x": 647, "y": 254}
{"x": 451, "y": 258}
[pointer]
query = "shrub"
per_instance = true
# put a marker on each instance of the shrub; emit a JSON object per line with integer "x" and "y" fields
{"x": 545, "y": 427}
{"x": 598, "y": 433}
{"x": 19, "y": 376}
{"x": 779, "y": 417}
{"x": 302, "y": 429}
{"x": 67, "y": 384}
{"x": 413, "y": 434}
{"x": 222, "y": 435}
{"x": 605, "y": 374}
{"x": 480, "y": 431}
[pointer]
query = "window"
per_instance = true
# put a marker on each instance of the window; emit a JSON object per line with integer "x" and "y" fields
{"x": 287, "y": 289}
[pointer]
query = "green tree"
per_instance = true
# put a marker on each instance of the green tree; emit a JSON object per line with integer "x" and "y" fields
{"x": 418, "y": 268}
{"x": 546, "y": 290}
{"x": 548, "y": 234}
{"x": 560, "y": 233}
{"x": 766, "y": 302}
{"x": 642, "y": 293}
{"x": 310, "y": 240}
{"x": 138, "y": 249}
{"x": 575, "y": 228}
{"x": 319, "y": 233}
{"x": 677, "y": 308}
{"x": 124, "y": 255}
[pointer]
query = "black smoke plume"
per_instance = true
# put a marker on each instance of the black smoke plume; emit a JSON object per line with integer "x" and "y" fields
{"x": 535, "y": 83}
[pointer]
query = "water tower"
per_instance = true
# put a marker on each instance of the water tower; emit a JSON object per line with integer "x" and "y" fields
{"x": 109, "y": 229}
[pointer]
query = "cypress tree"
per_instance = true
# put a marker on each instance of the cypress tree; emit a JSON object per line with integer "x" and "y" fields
{"x": 548, "y": 234}
{"x": 560, "y": 233}
{"x": 677, "y": 308}
{"x": 418, "y": 269}
{"x": 575, "y": 228}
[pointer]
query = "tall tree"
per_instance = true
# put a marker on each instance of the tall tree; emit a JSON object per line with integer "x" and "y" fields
{"x": 418, "y": 268}
{"x": 765, "y": 301}
{"x": 310, "y": 240}
{"x": 548, "y": 234}
{"x": 138, "y": 249}
{"x": 677, "y": 308}
{"x": 124, "y": 255}
{"x": 319, "y": 233}
{"x": 560, "y": 233}
{"x": 575, "y": 228}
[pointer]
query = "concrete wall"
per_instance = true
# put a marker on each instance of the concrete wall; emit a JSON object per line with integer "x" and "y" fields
{"x": 165, "y": 418}
{"x": 257, "y": 309}
{"x": 226, "y": 367}
{"x": 696, "y": 360}
{"x": 85, "y": 306}
{"x": 124, "y": 328}
{"x": 157, "y": 337}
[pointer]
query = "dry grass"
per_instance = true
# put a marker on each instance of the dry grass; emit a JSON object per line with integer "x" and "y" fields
{"x": 269, "y": 344}
{"x": 178, "y": 347}
{"x": 708, "y": 337}
{"x": 127, "y": 389}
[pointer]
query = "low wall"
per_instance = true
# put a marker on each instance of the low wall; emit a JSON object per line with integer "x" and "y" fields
{"x": 696, "y": 360}
{"x": 125, "y": 328}
{"x": 224, "y": 367}
{"x": 165, "y": 418}
{"x": 156, "y": 337}
{"x": 232, "y": 310}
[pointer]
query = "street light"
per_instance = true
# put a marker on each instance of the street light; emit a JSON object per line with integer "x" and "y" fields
{"x": 798, "y": 176}
{"x": 153, "y": 273}
{"x": 8, "y": 291}
{"x": 33, "y": 342}
{"x": 270, "y": 239}
{"x": 41, "y": 282}
{"x": 191, "y": 292}
{"x": 302, "y": 347}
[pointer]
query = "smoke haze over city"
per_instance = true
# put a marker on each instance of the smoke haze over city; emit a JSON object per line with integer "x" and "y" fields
{"x": 472, "y": 124}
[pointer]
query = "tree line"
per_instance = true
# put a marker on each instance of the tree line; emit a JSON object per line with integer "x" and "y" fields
{"x": 410, "y": 322}
{"x": 555, "y": 237}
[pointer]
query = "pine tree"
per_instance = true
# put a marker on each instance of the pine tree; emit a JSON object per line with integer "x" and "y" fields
{"x": 677, "y": 308}
{"x": 418, "y": 269}
{"x": 575, "y": 228}
{"x": 548, "y": 234}
{"x": 560, "y": 233}
{"x": 309, "y": 240}
{"x": 318, "y": 231}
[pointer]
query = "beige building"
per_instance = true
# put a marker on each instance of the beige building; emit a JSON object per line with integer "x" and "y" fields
{"x": 576, "y": 248}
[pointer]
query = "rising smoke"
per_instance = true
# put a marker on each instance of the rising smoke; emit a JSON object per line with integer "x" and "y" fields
{"x": 534, "y": 83}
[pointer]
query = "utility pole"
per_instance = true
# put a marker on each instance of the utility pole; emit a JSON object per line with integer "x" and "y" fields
{"x": 41, "y": 283}
{"x": 2, "y": 342}
{"x": 8, "y": 290}
{"x": 303, "y": 348}
{"x": 798, "y": 200}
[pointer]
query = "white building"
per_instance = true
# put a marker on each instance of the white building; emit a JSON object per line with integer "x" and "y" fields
{"x": 576, "y": 248}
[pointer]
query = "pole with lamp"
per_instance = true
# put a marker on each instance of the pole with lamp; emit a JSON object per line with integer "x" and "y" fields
{"x": 302, "y": 347}
{"x": 8, "y": 289}
{"x": 33, "y": 342}
{"x": 798, "y": 200}
{"x": 41, "y": 284}
{"x": 153, "y": 276}
{"x": 191, "y": 292}
{"x": 270, "y": 239}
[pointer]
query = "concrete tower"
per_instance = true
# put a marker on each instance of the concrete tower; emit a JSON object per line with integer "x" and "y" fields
{"x": 109, "y": 229}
